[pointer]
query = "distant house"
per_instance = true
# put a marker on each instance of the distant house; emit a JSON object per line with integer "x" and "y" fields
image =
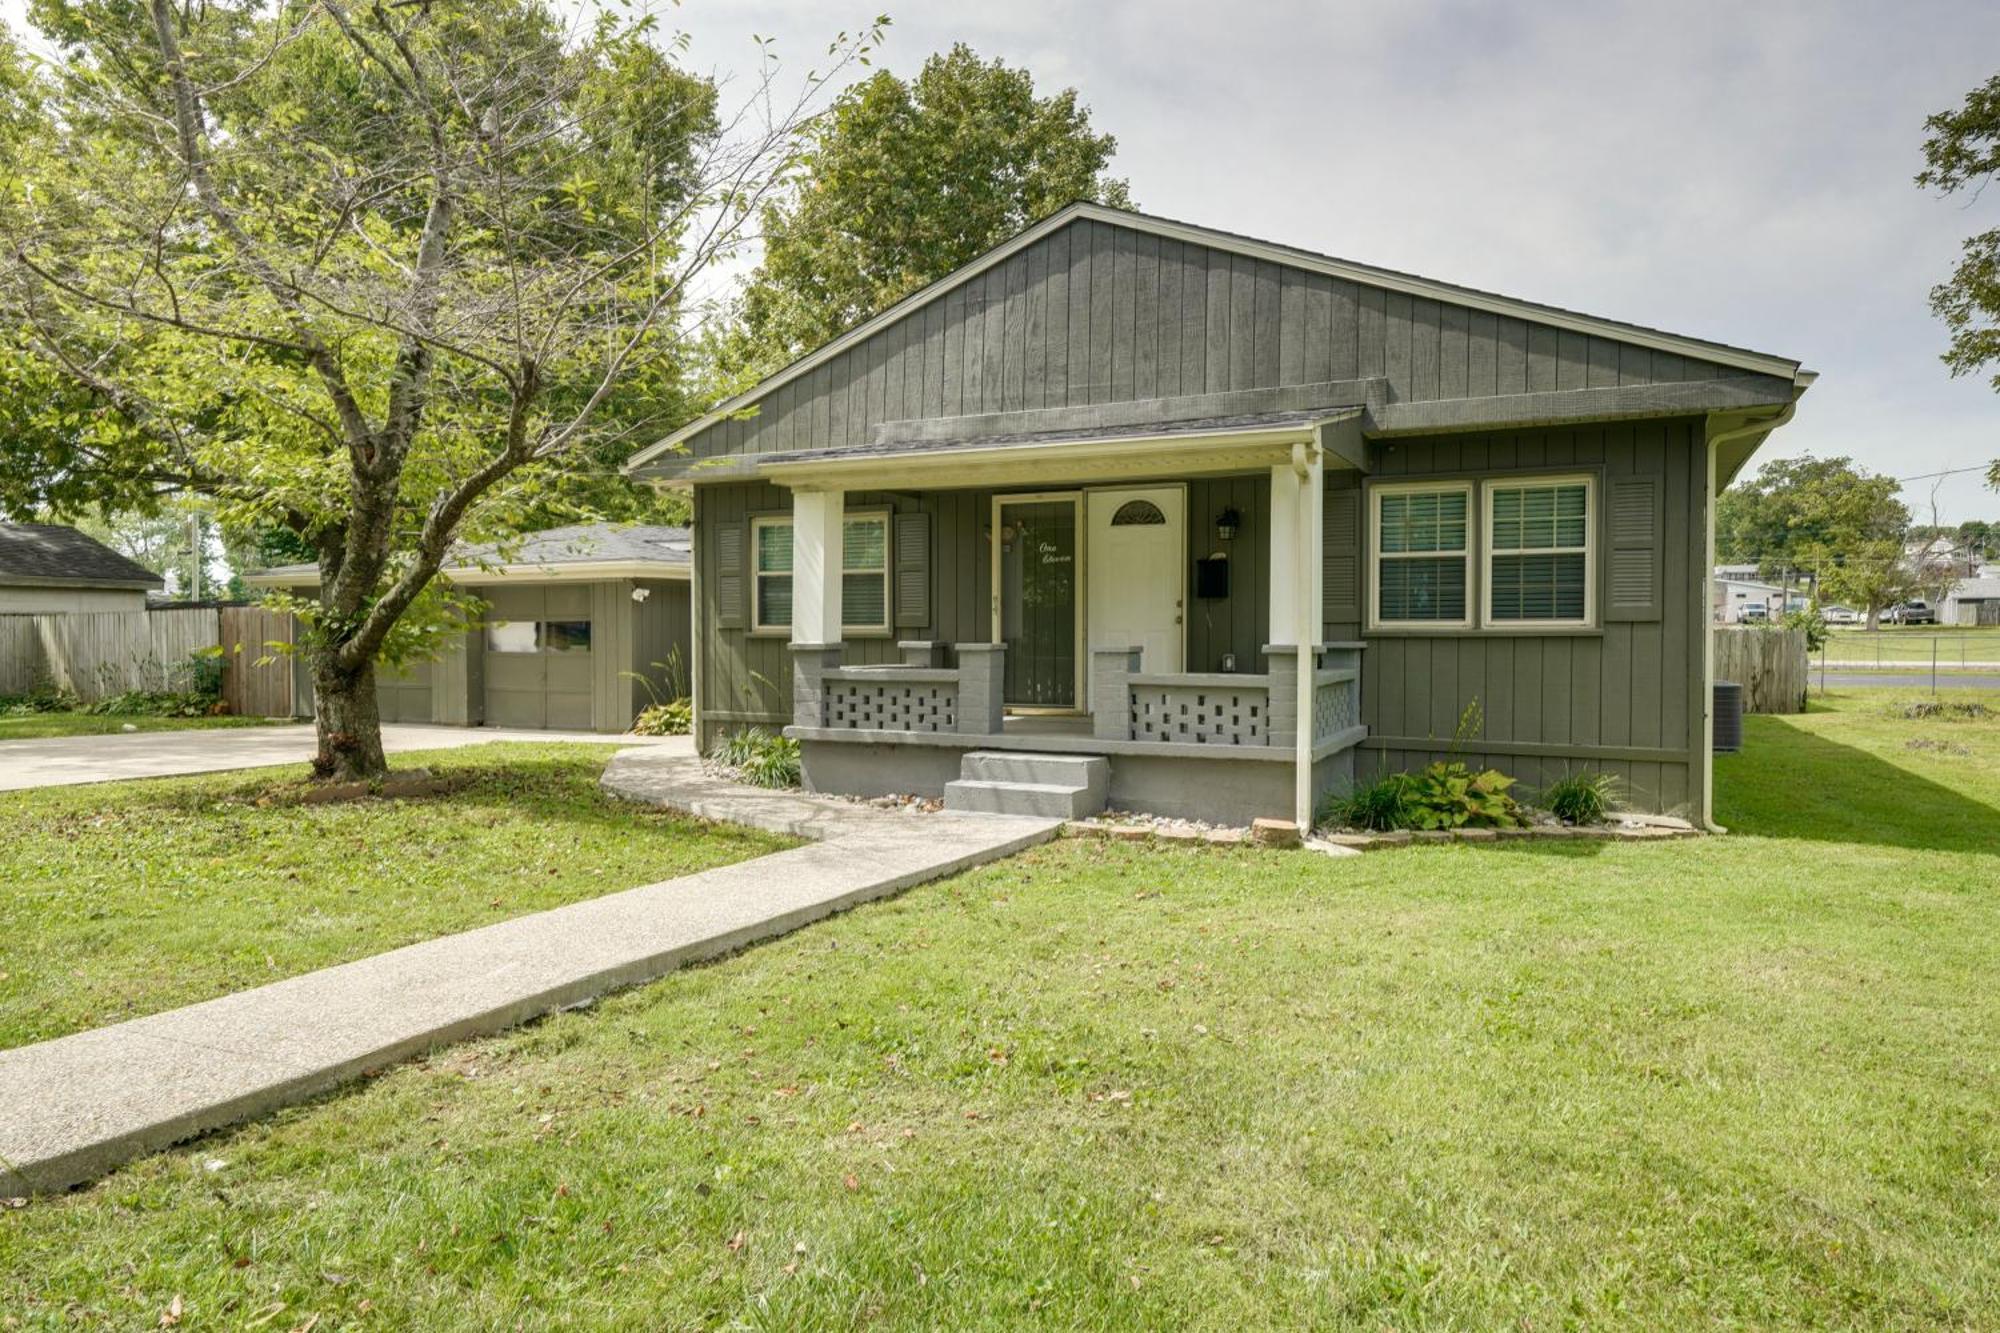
{"x": 1974, "y": 601}
{"x": 1736, "y": 599}
{"x": 47, "y": 568}
{"x": 575, "y": 616}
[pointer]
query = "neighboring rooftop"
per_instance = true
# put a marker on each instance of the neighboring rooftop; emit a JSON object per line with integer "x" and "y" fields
{"x": 52, "y": 555}
{"x": 578, "y": 548}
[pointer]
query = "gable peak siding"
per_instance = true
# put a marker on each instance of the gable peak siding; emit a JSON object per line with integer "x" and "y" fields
{"x": 1099, "y": 312}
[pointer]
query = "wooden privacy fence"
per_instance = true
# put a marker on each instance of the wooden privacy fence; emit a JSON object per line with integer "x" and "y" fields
{"x": 97, "y": 654}
{"x": 1770, "y": 665}
{"x": 256, "y": 674}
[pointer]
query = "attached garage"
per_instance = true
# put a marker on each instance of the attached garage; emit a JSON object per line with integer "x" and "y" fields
{"x": 583, "y": 627}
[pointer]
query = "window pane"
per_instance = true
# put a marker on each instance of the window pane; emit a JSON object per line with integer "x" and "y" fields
{"x": 864, "y": 601}
{"x": 865, "y": 545}
{"x": 1538, "y": 517}
{"x": 1425, "y": 521}
{"x": 510, "y": 636}
{"x": 1538, "y": 587}
{"x": 566, "y": 636}
{"x": 774, "y": 548}
{"x": 774, "y": 599}
{"x": 1423, "y": 589}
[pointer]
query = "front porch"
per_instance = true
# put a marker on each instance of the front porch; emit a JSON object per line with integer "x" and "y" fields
{"x": 1218, "y": 746}
{"x": 1089, "y": 577}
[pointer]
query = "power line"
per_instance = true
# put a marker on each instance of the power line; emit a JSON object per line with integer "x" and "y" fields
{"x": 1948, "y": 472}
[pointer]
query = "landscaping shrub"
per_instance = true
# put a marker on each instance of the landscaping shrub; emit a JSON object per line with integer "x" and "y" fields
{"x": 1580, "y": 798}
{"x": 1446, "y": 795}
{"x": 1812, "y": 622}
{"x": 668, "y": 719}
{"x": 152, "y": 703}
{"x": 1379, "y": 806}
{"x": 761, "y": 758}
{"x": 43, "y": 699}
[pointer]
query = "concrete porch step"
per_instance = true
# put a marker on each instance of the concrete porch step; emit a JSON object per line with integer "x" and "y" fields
{"x": 1047, "y": 800}
{"x": 1056, "y": 770}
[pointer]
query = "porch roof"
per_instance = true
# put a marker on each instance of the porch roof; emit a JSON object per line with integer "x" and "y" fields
{"x": 1191, "y": 447}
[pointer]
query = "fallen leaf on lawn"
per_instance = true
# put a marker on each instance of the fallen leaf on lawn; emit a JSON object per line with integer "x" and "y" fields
{"x": 790, "y": 1268}
{"x": 852, "y": 1183}
{"x": 854, "y": 1127}
{"x": 736, "y": 1242}
{"x": 172, "y": 1314}
{"x": 308, "y": 1326}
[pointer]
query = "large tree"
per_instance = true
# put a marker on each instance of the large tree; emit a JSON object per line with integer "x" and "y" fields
{"x": 1826, "y": 519}
{"x": 379, "y": 274}
{"x": 1962, "y": 154}
{"x": 904, "y": 181}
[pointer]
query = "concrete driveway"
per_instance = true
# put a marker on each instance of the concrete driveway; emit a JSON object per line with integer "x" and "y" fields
{"x": 69, "y": 760}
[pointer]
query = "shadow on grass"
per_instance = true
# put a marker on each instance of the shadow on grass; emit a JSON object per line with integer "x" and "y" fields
{"x": 1790, "y": 783}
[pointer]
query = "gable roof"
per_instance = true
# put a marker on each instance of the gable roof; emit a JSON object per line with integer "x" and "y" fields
{"x": 52, "y": 555}
{"x": 1738, "y": 359}
{"x": 606, "y": 550}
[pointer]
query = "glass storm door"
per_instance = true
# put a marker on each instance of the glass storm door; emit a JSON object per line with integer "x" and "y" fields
{"x": 1035, "y": 595}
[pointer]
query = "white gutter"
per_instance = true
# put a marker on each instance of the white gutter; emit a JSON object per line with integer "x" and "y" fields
{"x": 472, "y": 576}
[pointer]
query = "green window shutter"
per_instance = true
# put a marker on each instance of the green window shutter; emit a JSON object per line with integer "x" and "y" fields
{"x": 1635, "y": 541}
{"x": 1340, "y": 555}
{"x": 912, "y": 550}
{"x": 732, "y": 591}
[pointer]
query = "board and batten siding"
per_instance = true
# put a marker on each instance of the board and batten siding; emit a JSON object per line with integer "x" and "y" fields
{"x": 1623, "y": 699}
{"x": 1096, "y": 312}
{"x": 746, "y": 677}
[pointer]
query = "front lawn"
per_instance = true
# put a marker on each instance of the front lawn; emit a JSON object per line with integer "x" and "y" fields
{"x": 132, "y": 897}
{"x": 1751, "y": 1080}
{"x": 38, "y": 726}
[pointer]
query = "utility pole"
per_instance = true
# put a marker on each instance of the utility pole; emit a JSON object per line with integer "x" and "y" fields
{"x": 194, "y": 555}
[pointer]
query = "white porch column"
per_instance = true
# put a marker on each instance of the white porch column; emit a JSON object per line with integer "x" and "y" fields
{"x": 817, "y": 518}
{"x": 1297, "y": 497}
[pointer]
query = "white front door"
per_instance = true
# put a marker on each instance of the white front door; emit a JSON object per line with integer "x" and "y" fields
{"x": 1136, "y": 570}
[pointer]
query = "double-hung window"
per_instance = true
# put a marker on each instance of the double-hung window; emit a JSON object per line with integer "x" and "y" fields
{"x": 771, "y": 573}
{"x": 1423, "y": 555}
{"x": 864, "y": 573}
{"x": 1538, "y": 542}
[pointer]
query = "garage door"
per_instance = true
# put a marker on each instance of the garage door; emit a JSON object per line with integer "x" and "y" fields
{"x": 538, "y": 657}
{"x": 404, "y": 696}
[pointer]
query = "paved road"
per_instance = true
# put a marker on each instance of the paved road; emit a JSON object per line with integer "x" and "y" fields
{"x": 67, "y": 760}
{"x": 1907, "y": 680}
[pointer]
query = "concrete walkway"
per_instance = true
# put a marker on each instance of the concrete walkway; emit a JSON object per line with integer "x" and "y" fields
{"x": 63, "y": 761}
{"x": 74, "y": 1108}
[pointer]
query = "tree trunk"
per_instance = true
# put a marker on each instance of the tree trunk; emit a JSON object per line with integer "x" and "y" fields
{"x": 348, "y": 720}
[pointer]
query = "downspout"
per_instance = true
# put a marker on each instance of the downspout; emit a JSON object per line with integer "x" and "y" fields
{"x": 1762, "y": 427}
{"x": 1307, "y": 623}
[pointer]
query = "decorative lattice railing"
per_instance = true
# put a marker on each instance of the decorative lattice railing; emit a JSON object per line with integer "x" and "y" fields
{"x": 1199, "y": 710}
{"x": 891, "y": 699}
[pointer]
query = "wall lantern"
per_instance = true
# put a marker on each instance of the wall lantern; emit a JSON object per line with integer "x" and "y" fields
{"x": 1226, "y": 524}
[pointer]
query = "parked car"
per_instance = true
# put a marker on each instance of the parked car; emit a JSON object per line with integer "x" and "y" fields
{"x": 1753, "y": 613}
{"x": 1911, "y": 613}
{"x": 1840, "y": 615}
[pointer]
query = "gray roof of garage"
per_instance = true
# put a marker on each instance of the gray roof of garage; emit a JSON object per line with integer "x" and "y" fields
{"x": 578, "y": 544}
{"x": 57, "y": 556}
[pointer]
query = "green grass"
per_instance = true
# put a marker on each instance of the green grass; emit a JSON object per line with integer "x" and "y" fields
{"x": 1912, "y": 645}
{"x": 38, "y": 726}
{"x": 128, "y": 898}
{"x": 1745, "y": 1081}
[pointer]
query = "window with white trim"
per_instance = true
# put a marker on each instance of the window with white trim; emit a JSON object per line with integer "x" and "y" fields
{"x": 1422, "y": 535}
{"x": 864, "y": 573}
{"x": 771, "y": 573}
{"x": 1538, "y": 551}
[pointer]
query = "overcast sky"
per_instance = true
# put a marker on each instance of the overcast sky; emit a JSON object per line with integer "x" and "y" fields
{"x": 1733, "y": 171}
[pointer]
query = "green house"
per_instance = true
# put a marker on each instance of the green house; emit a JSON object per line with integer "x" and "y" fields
{"x": 1143, "y": 512}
